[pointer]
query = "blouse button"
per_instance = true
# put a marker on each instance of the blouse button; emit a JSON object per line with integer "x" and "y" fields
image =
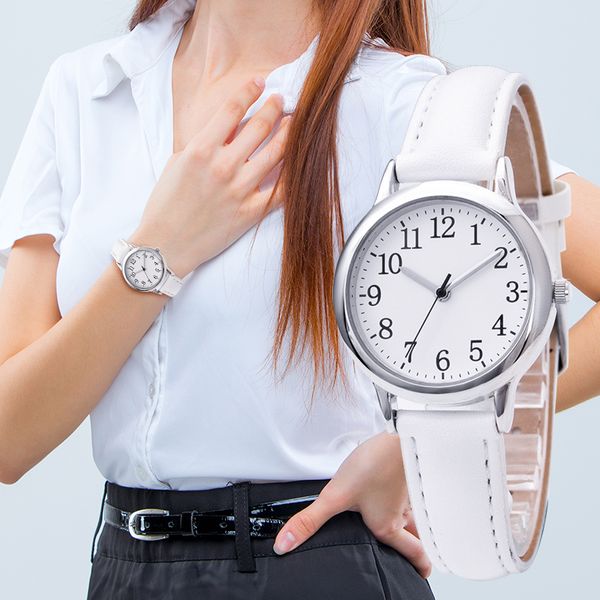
{"x": 151, "y": 389}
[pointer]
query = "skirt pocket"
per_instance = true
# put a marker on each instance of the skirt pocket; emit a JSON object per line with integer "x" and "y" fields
{"x": 340, "y": 570}
{"x": 399, "y": 578}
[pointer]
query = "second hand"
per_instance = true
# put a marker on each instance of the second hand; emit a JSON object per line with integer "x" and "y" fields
{"x": 440, "y": 293}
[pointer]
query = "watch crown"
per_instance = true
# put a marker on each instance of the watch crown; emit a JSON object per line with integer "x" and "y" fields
{"x": 562, "y": 291}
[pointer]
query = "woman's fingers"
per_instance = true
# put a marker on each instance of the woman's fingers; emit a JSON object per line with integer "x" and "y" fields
{"x": 410, "y": 546}
{"x": 225, "y": 120}
{"x": 261, "y": 164}
{"x": 304, "y": 524}
{"x": 256, "y": 203}
{"x": 256, "y": 129}
{"x": 410, "y": 524}
{"x": 307, "y": 522}
{"x": 243, "y": 174}
{"x": 301, "y": 526}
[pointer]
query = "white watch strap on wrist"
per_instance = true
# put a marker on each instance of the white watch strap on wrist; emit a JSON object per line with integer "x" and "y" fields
{"x": 478, "y": 495}
{"x": 171, "y": 285}
{"x": 119, "y": 249}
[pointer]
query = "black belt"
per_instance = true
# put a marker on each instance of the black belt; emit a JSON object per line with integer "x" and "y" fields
{"x": 148, "y": 524}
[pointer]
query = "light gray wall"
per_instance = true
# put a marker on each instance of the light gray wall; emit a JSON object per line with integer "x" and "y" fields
{"x": 557, "y": 47}
{"x": 39, "y": 559}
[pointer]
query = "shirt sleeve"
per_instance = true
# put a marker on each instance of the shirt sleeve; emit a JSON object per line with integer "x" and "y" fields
{"x": 405, "y": 78}
{"x": 557, "y": 169}
{"x": 30, "y": 200}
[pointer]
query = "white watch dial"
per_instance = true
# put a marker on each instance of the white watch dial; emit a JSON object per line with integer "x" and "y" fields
{"x": 144, "y": 269}
{"x": 440, "y": 291}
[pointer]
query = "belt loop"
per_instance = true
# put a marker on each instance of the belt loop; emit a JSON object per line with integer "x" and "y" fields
{"x": 241, "y": 512}
{"x": 99, "y": 519}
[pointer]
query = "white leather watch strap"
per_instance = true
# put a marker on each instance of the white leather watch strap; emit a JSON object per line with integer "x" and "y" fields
{"x": 119, "y": 249}
{"x": 171, "y": 284}
{"x": 478, "y": 495}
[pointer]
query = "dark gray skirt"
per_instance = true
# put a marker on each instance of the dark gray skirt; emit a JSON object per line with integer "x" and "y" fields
{"x": 342, "y": 560}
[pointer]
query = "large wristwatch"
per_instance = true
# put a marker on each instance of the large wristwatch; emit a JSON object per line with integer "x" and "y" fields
{"x": 144, "y": 268}
{"x": 449, "y": 295}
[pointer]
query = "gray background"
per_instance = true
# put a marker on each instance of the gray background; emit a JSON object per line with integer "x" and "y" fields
{"x": 556, "y": 45}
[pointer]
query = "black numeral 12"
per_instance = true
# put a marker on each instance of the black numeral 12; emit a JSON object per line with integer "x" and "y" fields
{"x": 447, "y": 222}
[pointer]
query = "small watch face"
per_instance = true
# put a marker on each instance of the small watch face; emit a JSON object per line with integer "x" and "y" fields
{"x": 440, "y": 292}
{"x": 144, "y": 269}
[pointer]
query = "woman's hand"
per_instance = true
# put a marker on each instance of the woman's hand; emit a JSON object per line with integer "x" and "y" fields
{"x": 208, "y": 194}
{"x": 371, "y": 481}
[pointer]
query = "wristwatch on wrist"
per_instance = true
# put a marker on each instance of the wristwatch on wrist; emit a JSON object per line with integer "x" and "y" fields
{"x": 449, "y": 295}
{"x": 144, "y": 268}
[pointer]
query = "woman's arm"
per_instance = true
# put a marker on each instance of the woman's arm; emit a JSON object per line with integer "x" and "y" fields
{"x": 581, "y": 265}
{"x": 53, "y": 371}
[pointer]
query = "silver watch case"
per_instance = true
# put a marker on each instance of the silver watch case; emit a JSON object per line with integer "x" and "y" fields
{"x": 155, "y": 288}
{"x": 499, "y": 198}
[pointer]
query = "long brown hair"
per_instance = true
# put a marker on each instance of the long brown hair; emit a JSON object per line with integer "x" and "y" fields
{"x": 309, "y": 170}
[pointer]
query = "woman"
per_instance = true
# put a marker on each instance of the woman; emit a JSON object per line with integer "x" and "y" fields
{"x": 164, "y": 138}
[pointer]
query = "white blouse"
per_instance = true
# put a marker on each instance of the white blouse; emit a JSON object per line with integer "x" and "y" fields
{"x": 195, "y": 405}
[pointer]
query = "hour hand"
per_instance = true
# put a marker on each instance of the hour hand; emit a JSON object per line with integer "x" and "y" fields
{"x": 419, "y": 279}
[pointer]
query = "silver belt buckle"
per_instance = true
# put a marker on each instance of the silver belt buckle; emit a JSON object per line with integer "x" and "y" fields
{"x": 138, "y": 533}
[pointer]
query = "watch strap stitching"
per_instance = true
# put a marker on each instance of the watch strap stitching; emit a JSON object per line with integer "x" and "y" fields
{"x": 435, "y": 85}
{"x": 493, "y": 116}
{"x": 489, "y": 486}
{"x": 424, "y": 505}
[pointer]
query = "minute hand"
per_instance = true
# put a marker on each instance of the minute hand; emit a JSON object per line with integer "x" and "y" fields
{"x": 475, "y": 269}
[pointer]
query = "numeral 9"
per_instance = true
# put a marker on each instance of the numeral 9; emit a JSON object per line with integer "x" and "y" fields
{"x": 374, "y": 292}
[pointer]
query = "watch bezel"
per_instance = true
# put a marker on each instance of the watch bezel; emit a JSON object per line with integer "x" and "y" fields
{"x": 540, "y": 308}
{"x": 156, "y": 251}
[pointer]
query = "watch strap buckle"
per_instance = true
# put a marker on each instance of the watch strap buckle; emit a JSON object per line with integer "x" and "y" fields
{"x": 549, "y": 213}
{"x": 551, "y": 207}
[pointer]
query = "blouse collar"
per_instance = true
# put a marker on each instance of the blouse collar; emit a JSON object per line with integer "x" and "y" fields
{"x": 141, "y": 48}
